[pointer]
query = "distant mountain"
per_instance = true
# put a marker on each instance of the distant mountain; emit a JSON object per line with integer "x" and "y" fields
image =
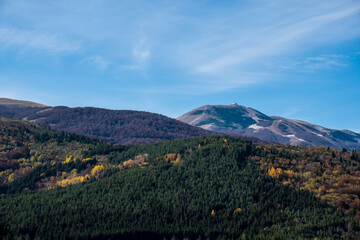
{"x": 19, "y": 103}
{"x": 113, "y": 126}
{"x": 247, "y": 121}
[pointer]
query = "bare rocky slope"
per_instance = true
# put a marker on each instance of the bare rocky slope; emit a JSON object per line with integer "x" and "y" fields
{"x": 247, "y": 121}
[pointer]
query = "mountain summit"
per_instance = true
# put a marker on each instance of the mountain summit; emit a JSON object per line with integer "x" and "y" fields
{"x": 243, "y": 120}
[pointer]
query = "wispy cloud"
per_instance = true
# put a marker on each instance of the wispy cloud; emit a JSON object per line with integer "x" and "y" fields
{"x": 97, "y": 61}
{"x": 140, "y": 51}
{"x": 217, "y": 46}
{"x": 275, "y": 40}
{"x": 319, "y": 62}
{"x": 325, "y": 61}
{"x": 37, "y": 41}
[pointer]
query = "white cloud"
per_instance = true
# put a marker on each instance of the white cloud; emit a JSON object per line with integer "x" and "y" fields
{"x": 275, "y": 40}
{"x": 38, "y": 41}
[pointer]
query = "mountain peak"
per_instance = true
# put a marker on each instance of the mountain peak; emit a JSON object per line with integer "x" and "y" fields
{"x": 247, "y": 121}
{"x": 223, "y": 118}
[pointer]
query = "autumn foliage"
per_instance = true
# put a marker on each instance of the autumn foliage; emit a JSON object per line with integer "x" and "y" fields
{"x": 332, "y": 175}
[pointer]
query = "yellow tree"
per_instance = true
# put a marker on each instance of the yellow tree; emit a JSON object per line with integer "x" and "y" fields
{"x": 277, "y": 173}
{"x": 97, "y": 169}
{"x": 11, "y": 177}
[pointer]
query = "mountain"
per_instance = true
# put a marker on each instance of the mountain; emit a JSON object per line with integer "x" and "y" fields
{"x": 113, "y": 126}
{"x": 248, "y": 121}
{"x": 19, "y": 103}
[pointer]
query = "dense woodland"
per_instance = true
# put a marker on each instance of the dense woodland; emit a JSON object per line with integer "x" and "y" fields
{"x": 200, "y": 187}
{"x": 57, "y": 185}
{"x": 332, "y": 175}
{"x": 113, "y": 126}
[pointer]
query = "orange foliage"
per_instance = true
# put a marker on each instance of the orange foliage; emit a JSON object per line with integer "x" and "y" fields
{"x": 238, "y": 210}
{"x": 277, "y": 173}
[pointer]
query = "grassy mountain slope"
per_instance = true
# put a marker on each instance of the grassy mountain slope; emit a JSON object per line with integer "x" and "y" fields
{"x": 19, "y": 103}
{"x": 185, "y": 188}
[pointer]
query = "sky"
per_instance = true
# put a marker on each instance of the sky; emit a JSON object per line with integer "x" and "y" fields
{"x": 295, "y": 59}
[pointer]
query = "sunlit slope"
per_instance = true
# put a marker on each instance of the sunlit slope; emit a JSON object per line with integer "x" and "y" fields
{"x": 184, "y": 188}
{"x": 34, "y": 157}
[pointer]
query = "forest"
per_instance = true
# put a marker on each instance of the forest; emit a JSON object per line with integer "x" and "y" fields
{"x": 332, "y": 175}
{"x": 57, "y": 185}
{"x": 113, "y": 126}
{"x": 34, "y": 157}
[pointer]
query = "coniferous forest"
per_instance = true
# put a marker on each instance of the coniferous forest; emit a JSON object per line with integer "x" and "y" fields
{"x": 205, "y": 187}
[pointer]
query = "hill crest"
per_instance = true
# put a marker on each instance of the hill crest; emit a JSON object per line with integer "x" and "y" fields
{"x": 19, "y": 103}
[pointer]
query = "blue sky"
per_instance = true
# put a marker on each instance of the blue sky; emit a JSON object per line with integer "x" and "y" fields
{"x": 297, "y": 59}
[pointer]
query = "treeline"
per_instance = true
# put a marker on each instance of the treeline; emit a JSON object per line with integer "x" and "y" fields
{"x": 192, "y": 188}
{"x": 22, "y": 131}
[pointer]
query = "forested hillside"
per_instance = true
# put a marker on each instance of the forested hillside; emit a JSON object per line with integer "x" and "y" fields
{"x": 332, "y": 175}
{"x": 200, "y": 187}
{"x": 113, "y": 126}
{"x": 34, "y": 157}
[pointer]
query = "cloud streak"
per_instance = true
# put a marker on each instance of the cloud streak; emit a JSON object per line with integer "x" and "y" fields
{"x": 37, "y": 41}
{"x": 276, "y": 40}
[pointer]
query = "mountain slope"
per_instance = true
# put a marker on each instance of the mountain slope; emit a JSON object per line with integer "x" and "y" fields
{"x": 30, "y": 155}
{"x": 194, "y": 188}
{"x": 19, "y": 103}
{"x": 113, "y": 126}
{"x": 247, "y": 121}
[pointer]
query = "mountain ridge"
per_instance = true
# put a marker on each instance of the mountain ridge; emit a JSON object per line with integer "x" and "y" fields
{"x": 114, "y": 126}
{"x": 127, "y": 127}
